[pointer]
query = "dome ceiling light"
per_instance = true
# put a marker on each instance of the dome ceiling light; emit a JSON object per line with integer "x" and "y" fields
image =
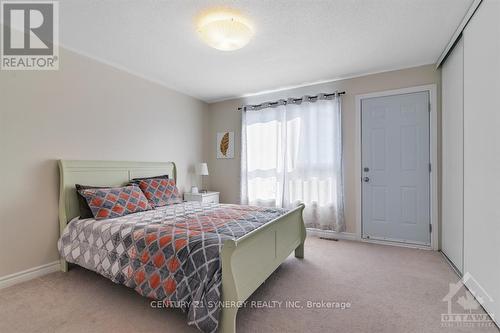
{"x": 224, "y": 29}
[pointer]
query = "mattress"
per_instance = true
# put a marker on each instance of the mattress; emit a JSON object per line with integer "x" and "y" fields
{"x": 169, "y": 254}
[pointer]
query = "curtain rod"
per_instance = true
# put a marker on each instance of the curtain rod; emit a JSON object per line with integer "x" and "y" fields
{"x": 289, "y": 100}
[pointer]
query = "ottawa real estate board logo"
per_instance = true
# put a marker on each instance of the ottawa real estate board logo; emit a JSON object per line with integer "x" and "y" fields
{"x": 29, "y": 35}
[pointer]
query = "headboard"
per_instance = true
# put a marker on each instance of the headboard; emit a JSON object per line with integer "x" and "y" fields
{"x": 101, "y": 173}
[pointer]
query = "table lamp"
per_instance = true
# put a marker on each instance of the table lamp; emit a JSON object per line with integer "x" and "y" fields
{"x": 202, "y": 170}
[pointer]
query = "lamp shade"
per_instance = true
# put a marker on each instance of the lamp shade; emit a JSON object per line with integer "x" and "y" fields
{"x": 202, "y": 169}
{"x": 224, "y": 29}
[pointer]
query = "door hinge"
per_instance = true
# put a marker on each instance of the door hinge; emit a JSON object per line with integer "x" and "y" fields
{"x": 430, "y": 167}
{"x": 430, "y": 228}
{"x": 429, "y": 106}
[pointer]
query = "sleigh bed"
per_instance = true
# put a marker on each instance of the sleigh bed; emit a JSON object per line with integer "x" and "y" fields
{"x": 253, "y": 241}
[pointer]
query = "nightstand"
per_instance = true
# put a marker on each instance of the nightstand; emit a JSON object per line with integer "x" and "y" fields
{"x": 202, "y": 197}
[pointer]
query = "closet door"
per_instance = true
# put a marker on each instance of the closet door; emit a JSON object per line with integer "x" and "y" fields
{"x": 452, "y": 153}
{"x": 482, "y": 154}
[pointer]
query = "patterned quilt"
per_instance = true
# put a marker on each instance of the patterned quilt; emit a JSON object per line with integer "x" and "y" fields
{"x": 169, "y": 254}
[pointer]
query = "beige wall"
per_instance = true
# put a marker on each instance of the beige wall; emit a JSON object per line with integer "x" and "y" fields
{"x": 86, "y": 110}
{"x": 224, "y": 174}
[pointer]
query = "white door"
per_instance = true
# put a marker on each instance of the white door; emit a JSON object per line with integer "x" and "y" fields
{"x": 482, "y": 155}
{"x": 396, "y": 168}
{"x": 452, "y": 165}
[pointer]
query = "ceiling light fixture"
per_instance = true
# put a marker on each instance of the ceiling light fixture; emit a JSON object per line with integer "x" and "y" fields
{"x": 224, "y": 29}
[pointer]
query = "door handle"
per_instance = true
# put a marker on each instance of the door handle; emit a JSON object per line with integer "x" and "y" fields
{"x": 366, "y": 179}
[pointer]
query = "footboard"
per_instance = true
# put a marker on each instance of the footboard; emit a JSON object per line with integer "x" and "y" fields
{"x": 250, "y": 260}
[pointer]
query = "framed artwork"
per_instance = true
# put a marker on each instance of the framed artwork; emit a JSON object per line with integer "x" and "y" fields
{"x": 225, "y": 144}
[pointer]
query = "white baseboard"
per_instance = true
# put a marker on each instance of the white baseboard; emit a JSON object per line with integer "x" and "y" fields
{"x": 355, "y": 237}
{"x": 398, "y": 244}
{"x": 31, "y": 273}
{"x": 331, "y": 234}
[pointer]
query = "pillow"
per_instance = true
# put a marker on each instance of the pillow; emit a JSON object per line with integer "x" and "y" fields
{"x": 85, "y": 211}
{"x": 144, "y": 178}
{"x": 111, "y": 202}
{"x": 160, "y": 191}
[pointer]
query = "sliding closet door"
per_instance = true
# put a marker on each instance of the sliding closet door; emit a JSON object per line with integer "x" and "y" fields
{"x": 452, "y": 229}
{"x": 482, "y": 154}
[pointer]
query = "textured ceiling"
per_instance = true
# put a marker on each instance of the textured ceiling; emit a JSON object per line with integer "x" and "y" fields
{"x": 296, "y": 42}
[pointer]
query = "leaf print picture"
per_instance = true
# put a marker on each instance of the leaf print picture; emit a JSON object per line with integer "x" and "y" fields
{"x": 225, "y": 145}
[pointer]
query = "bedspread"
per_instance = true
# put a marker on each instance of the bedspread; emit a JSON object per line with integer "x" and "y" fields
{"x": 171, "y": 254}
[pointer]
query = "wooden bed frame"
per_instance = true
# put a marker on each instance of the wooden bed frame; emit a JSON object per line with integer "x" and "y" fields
{"x": 246, "y": 262}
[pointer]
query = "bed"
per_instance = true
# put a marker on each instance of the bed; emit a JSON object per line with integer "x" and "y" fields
{"x": 247, "y": 258}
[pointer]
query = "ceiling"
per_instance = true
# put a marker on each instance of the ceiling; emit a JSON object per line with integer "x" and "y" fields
{"x": 296, "y": 42}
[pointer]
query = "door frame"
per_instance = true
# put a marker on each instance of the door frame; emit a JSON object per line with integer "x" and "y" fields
{"x": 433, "y": 118}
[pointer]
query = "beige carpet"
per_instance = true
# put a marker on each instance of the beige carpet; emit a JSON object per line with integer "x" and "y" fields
{"x": 390, "y": 289}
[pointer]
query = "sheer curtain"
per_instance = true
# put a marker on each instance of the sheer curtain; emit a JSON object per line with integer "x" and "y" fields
{"x": 291, "y": 153}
